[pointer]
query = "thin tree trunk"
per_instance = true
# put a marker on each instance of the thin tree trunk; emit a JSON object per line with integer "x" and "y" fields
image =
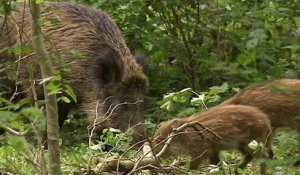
{"x": 50, "y": 100}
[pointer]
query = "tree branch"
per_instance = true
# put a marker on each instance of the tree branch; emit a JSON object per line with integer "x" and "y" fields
{"x": 149, "y": 160}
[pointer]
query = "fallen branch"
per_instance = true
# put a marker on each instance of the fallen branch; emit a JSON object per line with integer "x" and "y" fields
{"x": 14, "y": 132}
{"x": 149, "y": 161}
{"x": 126, "y": 165}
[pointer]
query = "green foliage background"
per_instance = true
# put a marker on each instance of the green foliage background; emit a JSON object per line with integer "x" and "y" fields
{"x": 204, "y": 43}
{"x": 201, "y": 44}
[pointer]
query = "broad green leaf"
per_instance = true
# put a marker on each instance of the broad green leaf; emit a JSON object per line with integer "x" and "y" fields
{"x": 65, "y": 99}
{"x": 198, "y": 100}
{"x": 69, "y": 90}
{"x": 168, "y": 96}
{"x": 245, "y": 59}
{"x": 186, "y": 112}
{"x": 54, "y": 91}
{"x": 252, "y": 43}
{"x": 224, "y": 87}
{"x": 21, "y": 50}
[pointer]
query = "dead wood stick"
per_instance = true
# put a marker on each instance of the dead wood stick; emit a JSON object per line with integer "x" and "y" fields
{"x": 148, "y": 160}
{"x": 14, "y": 132}
{"x": 209, "y": 130}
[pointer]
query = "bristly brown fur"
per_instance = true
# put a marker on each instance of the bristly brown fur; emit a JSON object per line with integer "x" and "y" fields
{"x": 279, "y": 99}
{"x": 237, "y": 125}
{"x": 105, "y": 74}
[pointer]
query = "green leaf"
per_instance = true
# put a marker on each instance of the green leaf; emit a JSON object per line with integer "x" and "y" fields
{"x": 176, "y": 98}
{"x": 198, "y": 100}
{"x": 186, "y": 90}
{"x": 31, "y": 111}
{"x": 66, "y": 69}
{"x": 20, "y": 50}
{"x": 215, "y": 98}
{"x": 259, "y": 34}
{"x": 54, "y": 21}
{"x": 69, "y": 90}
{"x": 236, "y": 89}
{"x": 38, "y": 1}
{"x": 245, "y": 59}
{"x": 169, "y": 106}
{"x": 168, "y": 96}
{"x": 55, "y": 83}
{"x": 5, "y": 102}
{"x": 65, "y": 99}
{"x": 186, "y": 112}
{"x": 16, "y": 142}
{"x": 293, "y": 47}
{"x": 96, "y": 147}
{"x": 252, "y": 43}
{"x": 224, "y": 87}
{"x": 213, "y": 90}
{"x": 7, "y": 116}
{"x": 54, "y": 91}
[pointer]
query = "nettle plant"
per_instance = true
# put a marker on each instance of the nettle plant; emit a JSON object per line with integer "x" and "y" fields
{"x": 24, "y": 126}
{"x": 57, "y": 86}
{"x": 26, "y": 114}
{"x": 112, "y": 139}
{"x": 187, "y": 101}
{"x": 285, "y": 145}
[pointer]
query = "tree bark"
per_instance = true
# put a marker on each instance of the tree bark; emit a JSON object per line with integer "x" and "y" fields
{"x": 50, "y": 100}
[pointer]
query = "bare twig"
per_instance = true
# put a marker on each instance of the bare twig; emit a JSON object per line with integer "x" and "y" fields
{"x": 149, "y": 160}
{"x": 24, "y": 57}
{"x": 14, "y": 132}
{"x": 207, "y": 129}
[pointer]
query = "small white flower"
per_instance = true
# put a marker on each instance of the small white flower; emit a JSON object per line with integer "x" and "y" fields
{"x": 253, "y": 145}
{"x": 114, "y": 130}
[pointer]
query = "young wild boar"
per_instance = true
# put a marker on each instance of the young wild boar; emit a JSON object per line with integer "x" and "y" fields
{"x": 279, "y": 99}
{"x": 236, "y": 125}
{"x": 109, "y": 83}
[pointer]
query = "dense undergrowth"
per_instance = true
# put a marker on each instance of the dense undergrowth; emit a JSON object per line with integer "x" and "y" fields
{"x": 199, "y": 53}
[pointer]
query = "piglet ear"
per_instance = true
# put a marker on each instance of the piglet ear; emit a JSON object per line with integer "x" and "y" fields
{"x": 108, "y": 68}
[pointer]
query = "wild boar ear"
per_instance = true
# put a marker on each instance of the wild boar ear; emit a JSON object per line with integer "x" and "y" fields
{"x": 108, "y": 68}
{"x": 141, "y": 60}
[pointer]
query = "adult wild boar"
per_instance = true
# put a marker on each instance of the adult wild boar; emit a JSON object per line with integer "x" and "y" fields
{"x": 279, "y": 99}
{"x": 235, "y": 125}
{"x": 109, "y": 83}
